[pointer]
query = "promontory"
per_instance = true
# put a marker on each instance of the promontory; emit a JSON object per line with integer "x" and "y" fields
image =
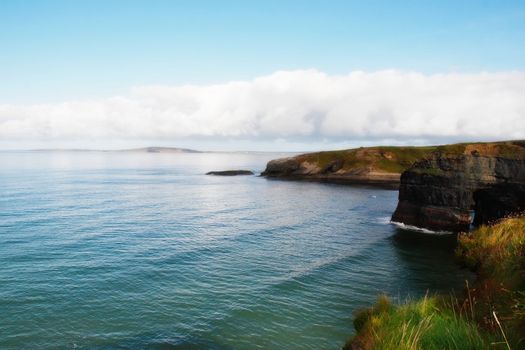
{"x": 444, "y": 187}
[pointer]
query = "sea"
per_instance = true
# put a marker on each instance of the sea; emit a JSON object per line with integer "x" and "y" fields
{"x": 136, "y": 250}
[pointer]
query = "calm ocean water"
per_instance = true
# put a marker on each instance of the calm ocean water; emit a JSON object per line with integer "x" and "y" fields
{"x": 143, "y": 251}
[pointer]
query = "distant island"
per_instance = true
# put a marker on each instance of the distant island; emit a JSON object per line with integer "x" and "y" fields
{"x": 161, "y": 150}
{"x": 138, "y": 150}
{"x": 230, "y": 172}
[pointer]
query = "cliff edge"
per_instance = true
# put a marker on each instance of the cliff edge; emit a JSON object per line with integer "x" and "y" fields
{"x": 442, "y": 190}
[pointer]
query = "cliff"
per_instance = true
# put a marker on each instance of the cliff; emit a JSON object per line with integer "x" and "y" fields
{"x": 366, "y": 165}
{"x": 440, "y": 191}
{"x": 439, "y": 186}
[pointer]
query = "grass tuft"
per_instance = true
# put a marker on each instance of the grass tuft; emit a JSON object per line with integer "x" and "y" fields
{"x": 491, "y": 315}
{"x": 427, "y": 323}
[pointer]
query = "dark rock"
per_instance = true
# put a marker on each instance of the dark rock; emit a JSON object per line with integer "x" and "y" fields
{"x": 230, "y": 172}
{"x": 281, "y": 167}
{"x": 498, "y": 201}
{"x": 438, "y": 192}
{"x": 333, "y": 167}
{"x": 438, "y": 218}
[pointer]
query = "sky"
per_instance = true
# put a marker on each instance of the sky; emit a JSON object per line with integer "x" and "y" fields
{"x": 283, "y": 75}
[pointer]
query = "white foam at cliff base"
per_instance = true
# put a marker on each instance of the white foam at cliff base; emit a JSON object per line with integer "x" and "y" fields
{"x": 419, "y": 229}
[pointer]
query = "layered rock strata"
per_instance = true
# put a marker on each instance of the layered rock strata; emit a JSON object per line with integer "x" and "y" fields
{"x": 441, "y": 191}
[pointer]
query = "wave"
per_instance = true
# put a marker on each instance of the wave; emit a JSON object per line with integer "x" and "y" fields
{"x": 419, "y": 229}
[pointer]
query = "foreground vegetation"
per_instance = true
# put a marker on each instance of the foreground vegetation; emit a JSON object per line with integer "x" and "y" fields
{"x": 491, "y": 314}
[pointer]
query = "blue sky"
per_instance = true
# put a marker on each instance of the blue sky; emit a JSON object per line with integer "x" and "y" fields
{"x": 56, "y": 52}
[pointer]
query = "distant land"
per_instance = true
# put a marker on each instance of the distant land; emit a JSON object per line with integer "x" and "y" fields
{"x": 151, "y": 149}
{"x": 138, "y": 150}
{"x": 161, "y": 150}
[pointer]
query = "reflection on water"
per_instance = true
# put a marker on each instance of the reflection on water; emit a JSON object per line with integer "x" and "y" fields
{"x": 425, "y": 257}
{"x": 119, "y": 250}
{"x": 413, "y": 241}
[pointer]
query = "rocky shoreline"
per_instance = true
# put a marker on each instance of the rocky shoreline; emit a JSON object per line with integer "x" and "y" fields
{"x": 386, "y": 181}
{"x": 372, "y": 166}
{"x": 444, "y": 191}
{"x": 441, "y": 188}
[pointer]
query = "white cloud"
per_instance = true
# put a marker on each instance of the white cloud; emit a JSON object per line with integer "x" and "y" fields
{"x": 305, "y": 105}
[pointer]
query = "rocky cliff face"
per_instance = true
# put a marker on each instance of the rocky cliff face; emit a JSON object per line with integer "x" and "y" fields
{"x": 440, "y": 191}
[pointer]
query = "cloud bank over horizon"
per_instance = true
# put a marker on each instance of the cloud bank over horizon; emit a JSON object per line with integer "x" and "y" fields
{"x": 305, "y": 106}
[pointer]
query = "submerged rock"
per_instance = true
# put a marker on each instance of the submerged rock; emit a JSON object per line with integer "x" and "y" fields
{"x": 230, "y": 172}
{"x": 439, "y": 192}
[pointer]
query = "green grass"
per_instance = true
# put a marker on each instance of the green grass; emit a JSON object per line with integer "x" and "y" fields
{"x": 491, "y": 314}
{"x": 392, "y": 159}
{"x": 387, "y": 159}
{"x": 497, "y": 253}
{"x": 423, "y": 324}
{"x": 429, "y": 171}
{"x": 458, "y": 148}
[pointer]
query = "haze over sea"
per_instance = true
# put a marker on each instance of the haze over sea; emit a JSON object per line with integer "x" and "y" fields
{"x": 116, "y": 250}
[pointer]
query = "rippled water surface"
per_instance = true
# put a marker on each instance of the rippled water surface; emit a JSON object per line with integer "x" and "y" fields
{"x": 143, "y": 251}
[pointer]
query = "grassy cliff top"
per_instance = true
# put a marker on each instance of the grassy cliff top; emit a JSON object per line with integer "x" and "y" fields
{"x": 497, "y": 252}
{"x": 391, "y": 159}
{"x": 491, "y": 314}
